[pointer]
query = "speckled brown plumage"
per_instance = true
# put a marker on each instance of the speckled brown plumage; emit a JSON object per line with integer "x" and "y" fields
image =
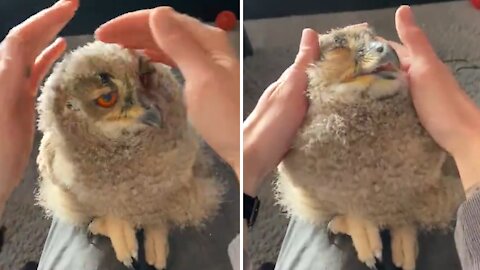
{"x": 373, "y": 159}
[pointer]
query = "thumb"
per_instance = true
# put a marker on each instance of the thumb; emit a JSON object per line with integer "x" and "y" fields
{"x": 309, "y": 49}
{"x": 45, "y": 61}
{"x": 411, "y": 35}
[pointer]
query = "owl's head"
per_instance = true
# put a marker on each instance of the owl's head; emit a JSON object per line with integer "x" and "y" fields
{"x": 355, "y": 65}
{"x": 111, "y": 91}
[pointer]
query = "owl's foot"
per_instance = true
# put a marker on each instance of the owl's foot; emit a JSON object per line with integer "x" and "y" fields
{"x": 365, "y": 237}
{"x": 404, "y": 247}
{"x": 121, "y": 234}
{"x": 156, "y": 246}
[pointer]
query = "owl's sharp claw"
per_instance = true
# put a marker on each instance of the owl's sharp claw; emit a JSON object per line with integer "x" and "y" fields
{"x": 338, "y": 225}
{"x": 121, "y": 234}
{"x": 128, "y": 263}
{"x": 371, "y": 264}
{"x": 378, "y": 255}
{"x": 365, "y": 237}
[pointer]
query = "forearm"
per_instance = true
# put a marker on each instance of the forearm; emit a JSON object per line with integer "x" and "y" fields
{"x": 13, "y": 162}
{"x": 468, "y": 162}
{"x": 5, "y": 176}
{"x": 8, "y": 175}
{"x": 251, "y": 170}
{"x": 255, "y": 165}
{"x": 5, "y": 189}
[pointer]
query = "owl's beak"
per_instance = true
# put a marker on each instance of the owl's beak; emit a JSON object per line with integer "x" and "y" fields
{"x": 390, "y": 57}
{"x": 388, "y": 62}
{"x": 152, "y": 117}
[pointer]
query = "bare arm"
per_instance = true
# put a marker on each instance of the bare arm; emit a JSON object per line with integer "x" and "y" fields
{"x": 26, "y": 54}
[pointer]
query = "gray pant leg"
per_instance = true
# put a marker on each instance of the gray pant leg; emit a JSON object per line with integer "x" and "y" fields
{"x": 68, "y": 247}
{"x": 306, "y": 247}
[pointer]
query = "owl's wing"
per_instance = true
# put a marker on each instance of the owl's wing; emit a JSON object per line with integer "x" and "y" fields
{"x": 45, "y": 158}
{"x": 52, "y": 194}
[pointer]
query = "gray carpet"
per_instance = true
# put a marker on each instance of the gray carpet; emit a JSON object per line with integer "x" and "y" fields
{"x": 453, "y": 28}
{"x": 26, "y": 226}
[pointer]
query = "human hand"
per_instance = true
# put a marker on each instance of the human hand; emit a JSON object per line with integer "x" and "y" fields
{"x": 26, "y": 55}
{"x": 443, "y": 108}
{"x": 207, "y": 62}
{"x": 269, "y": 130}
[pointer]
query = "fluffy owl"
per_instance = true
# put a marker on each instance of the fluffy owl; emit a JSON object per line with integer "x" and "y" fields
{"x": 118, "y": 153}
{"x": 362, "y": 162}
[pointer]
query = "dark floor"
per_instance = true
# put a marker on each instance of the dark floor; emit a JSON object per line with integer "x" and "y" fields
{"x": 93, "y": 13}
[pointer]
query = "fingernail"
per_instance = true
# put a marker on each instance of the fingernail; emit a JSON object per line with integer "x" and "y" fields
{"x": 304, "y": 35}
{"x": 409, "y": 14}
{"x": 164, "y": 19}
{"x": 304, "y": 38}
{"x": 98, "y": 34}
{"x": 62, "y": 3}
{"x": 65, "y": 3}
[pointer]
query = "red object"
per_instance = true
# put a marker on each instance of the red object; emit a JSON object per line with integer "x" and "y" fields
{"x": 226, "y": 20}
{"x": 475, "y": 3}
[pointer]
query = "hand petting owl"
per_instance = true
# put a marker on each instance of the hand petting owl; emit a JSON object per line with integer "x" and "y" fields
{"x": 362, "y": 162}
{"x": 117, "y": 152}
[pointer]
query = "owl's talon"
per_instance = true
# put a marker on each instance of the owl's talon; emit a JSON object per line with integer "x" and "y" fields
{"x": 404, "y": 247}
{"x": 121, "y": 234}
{"x": 128, "y": 262}
{"x": 338, "y": 225}
{"x": 156, "y": 246}
{"x": 371, "y": 264}
{"x": 134, "y": 255}
{"x": 365, "y": 237}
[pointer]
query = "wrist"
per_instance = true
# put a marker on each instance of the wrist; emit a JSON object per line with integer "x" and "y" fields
{"x": 252, "y": 173}
{"x": 468, "y": 161}
{"x": 251, "y": 186}
{"x": 5, "y": 190}
{"x": 236, "y": 168}
{"x": 8, "y": 176}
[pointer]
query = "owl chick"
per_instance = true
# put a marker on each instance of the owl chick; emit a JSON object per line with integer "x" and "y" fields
{"x": 362, "y": 162}
{"x": 117, "y": 152}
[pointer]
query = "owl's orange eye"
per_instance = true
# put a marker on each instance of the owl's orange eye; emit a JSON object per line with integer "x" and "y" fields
{"x": 107, "y": 100}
